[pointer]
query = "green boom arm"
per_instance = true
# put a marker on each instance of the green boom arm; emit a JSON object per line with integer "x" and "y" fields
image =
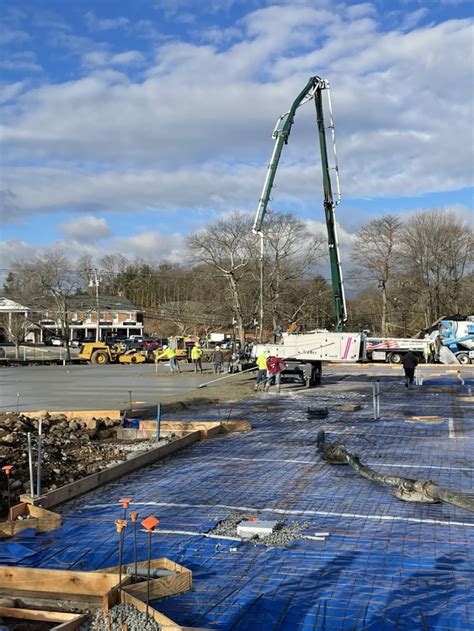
{"x": 312, "y": 90}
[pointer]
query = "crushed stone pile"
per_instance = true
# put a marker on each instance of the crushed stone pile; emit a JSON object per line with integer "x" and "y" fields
{"x": 283, "y": 535}
{"x": 71, "y": 450}
{"x": 121, "y": 617}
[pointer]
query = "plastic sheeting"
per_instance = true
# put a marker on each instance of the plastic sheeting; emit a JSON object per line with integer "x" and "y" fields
{"x": 385, "y": 565}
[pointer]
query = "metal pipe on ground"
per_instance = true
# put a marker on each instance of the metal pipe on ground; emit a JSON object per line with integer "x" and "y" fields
{"x": 142, "y": 572}
{"x": 234, "y": 374}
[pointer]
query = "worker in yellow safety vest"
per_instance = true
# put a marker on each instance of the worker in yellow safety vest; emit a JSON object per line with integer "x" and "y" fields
{"x": 169, "y": 353}
{"x": 196, "y": 357}
{"x": 262, "y": 369}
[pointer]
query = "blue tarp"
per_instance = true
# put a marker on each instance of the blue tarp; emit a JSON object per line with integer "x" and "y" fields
{"x": 386, "y": 564}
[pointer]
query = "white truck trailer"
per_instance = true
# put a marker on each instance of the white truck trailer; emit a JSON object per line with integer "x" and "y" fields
{"x": 305, "y": 352}
{"x": 392, "y": 349}
{"x": 455, "y": 344}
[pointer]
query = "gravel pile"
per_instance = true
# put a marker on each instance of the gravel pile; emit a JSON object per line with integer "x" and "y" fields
{"x": 228, "y": 526}
{"x": 72, "y": 449}
{"x": 283, "y": 535}
{"x": 120, "y": 617}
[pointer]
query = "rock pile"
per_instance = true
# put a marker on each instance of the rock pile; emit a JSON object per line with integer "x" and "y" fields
{"x": 71, "y": 449}
{"x": 283, "y": 535}
{"x": 121, "y": 617}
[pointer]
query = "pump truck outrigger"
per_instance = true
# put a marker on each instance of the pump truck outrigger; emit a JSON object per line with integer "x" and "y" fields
{"x": 305, "y": 352}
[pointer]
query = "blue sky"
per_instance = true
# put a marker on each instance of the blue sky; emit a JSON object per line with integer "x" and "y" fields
{"x": 127, "y": 125}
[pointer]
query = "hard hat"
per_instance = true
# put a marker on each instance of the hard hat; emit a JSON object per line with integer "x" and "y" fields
{"x": 165, "y": 347}
{"x": 217, "y": 346}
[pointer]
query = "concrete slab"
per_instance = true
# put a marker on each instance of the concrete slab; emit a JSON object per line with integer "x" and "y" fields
{"x": 90, "y": 387}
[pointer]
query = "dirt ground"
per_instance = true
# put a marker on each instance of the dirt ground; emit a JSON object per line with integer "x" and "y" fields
{"x": 235, "y": 387}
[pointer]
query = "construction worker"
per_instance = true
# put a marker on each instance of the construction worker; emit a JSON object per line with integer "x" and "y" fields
{"x": 196, "y": 356}
{"x": 169, "y": 353}
{"x": 218, "y": 360}
{"x": 410, "y": 362}
{"x": 275, "y": 366}
{"x": 262, "y": 369}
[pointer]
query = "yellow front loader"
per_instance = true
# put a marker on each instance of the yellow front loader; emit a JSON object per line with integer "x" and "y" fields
{"x": 101, "y": 353}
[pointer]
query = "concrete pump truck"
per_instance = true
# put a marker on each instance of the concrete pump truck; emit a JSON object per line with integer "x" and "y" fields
{"x": 305, "y": 352}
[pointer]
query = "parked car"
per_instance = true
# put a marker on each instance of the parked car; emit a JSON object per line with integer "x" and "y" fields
{"x": 150, "y": 344}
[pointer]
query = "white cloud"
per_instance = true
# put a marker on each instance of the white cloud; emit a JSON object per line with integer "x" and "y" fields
{"x": 196, "y": 132}
{"x": 25, "y": 61}
{"x": 152, "y": 246}
{"x": 12, "y": 36}
{"x": 87, "y": 228}
{"x": 103, "y": 58}
{"x": 413, "y": 18}
{"x": 14, "y": 251}
{"x": 96, "y": 24}
{"x": 10, "y": 90}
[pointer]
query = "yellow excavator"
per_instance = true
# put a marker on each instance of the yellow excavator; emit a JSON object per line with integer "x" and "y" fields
{"x": 101, "y": 353}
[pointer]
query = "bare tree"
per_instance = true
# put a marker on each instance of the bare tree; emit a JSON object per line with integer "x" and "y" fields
{"x": 15, "y": 326}
{"x": 48, "y": 282}
{"x": 438, "y": 254}
{"x": 291, "y": 252}
{"x": 375, "y": 250}
{"x": 224, "y": 246}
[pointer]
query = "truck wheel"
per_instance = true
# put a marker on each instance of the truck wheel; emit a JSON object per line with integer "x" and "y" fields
{"x": 395, "y": 358}
{"x": 463, "y": 358}
{"x": 315, "y": 379}
{"x": 99, "y": 357}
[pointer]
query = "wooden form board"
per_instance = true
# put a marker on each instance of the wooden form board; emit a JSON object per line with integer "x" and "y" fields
{"x": 161, "y": 619}
{"x": 161, "y": 587}
{"x": 83, "y": 590}
{"x": 69, "y": 491}
{"x": 66, "y": 621}
{"x": 34, "y": 517}
{"x": 206, "y": 428}
{"x": 72, "y": 414}
{"x": 55, "y": 582}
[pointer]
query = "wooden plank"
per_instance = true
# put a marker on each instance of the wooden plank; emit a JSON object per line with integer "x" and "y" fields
{"x": 205, "y": 428}
{"x": 35, "y": 517}
{"x": 70, "y": 491}
{"x": 18, "y": 510}
{"x": 47, "y": 520}
{"x": 159, "y": 563}
{"x": 166, "y": 623}
{"x": 55, "y": 582}
{"x": 72, "y": 414}
{"x": 64, "y": 602}
{"x": 72, "y": 624}
{"x": 37, "y": 615}
{"x": 10, "y": 528}
{"x": 161, "y": 587}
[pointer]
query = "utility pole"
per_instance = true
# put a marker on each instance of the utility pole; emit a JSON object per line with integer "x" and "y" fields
{"x": 262, "y": 257}
{"x": 95, "y": 282}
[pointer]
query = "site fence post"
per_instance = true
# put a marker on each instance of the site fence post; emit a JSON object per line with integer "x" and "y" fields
{"x": 158, "y": 422}
{"x": 38, "y": 465}
{"x": 378, "y": 399}
{"x": 30, "y": 465}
